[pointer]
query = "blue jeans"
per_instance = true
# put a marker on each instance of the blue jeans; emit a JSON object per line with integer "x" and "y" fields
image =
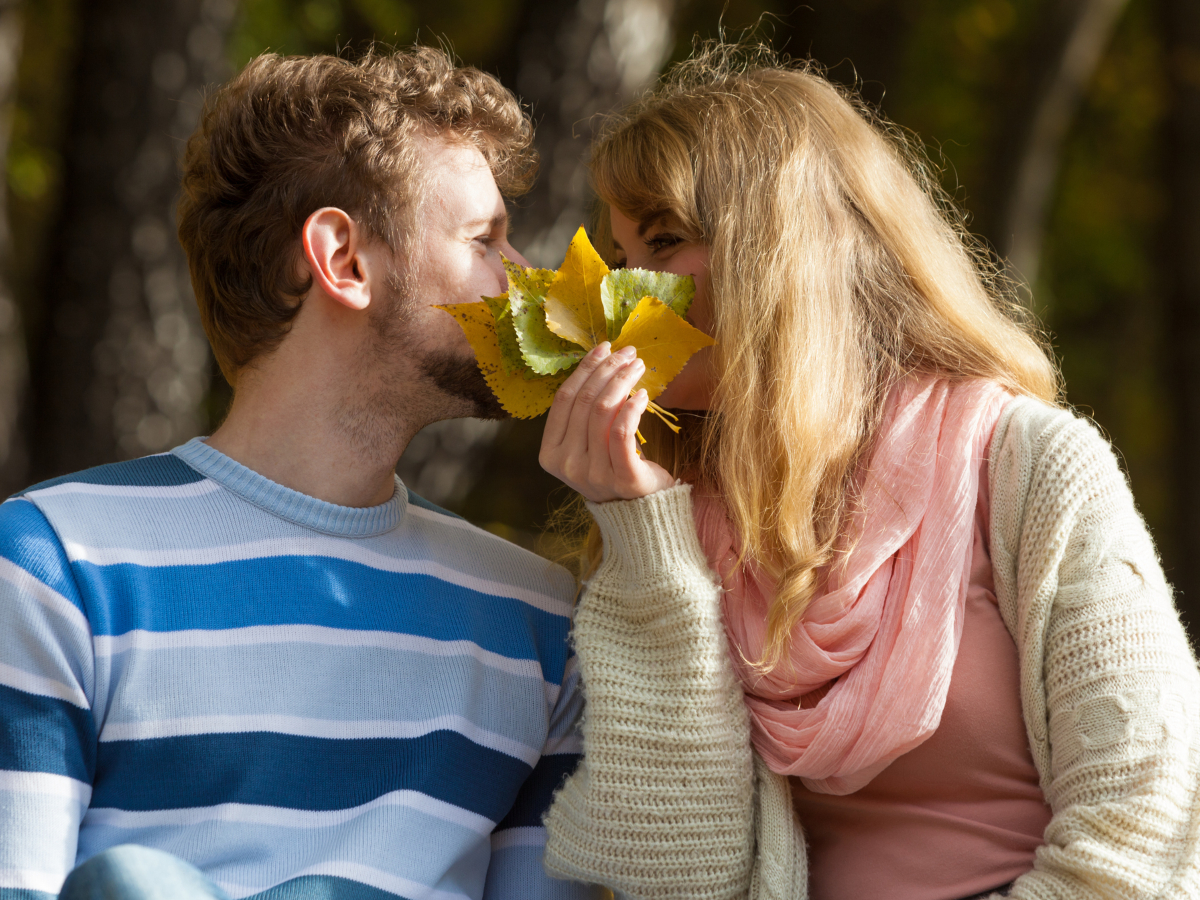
{"x": 130, "y": 872}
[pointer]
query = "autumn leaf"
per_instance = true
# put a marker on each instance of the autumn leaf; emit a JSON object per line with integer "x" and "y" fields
{"x": 528, "y": 340}
{"x": 623, "y": 289}
{"x": 542, "y": 351}
{"x": 664, "y": 342}
{"x": 573, "y": 307}
{"x": 527, "y": 284}
{"x": 521, "y": 395}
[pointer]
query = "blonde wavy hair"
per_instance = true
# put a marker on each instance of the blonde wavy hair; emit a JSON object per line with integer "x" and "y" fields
{"x": 837, "y": 267}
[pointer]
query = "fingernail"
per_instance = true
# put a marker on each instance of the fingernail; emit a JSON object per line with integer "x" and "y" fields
{"x": 627, "y": 352}
{"x": 602, "y": 349}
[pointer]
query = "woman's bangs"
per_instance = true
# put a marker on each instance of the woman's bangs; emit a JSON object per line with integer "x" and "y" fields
{"x": 638, "y": 171}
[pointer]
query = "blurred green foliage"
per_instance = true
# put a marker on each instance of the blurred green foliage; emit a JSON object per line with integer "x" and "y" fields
{"x": 1097, "y": 295}
{"x": 1101, "y": 296}
{"x": 958, "y": 71}
{"x": 473, "y": 29}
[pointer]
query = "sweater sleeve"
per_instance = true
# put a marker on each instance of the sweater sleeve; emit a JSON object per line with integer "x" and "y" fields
{"x": 662, "y": 805}
{"x": 47, "y": 733}
{"x": 1110, "y": 690}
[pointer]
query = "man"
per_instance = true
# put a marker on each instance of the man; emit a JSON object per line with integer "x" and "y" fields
{"x": 259, "y": 659}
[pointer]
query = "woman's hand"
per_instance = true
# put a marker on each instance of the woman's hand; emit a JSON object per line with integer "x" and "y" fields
{"x": 590, "y": 441}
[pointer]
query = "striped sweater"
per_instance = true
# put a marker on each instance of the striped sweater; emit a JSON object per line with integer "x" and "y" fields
{"x": 300, "y": 699}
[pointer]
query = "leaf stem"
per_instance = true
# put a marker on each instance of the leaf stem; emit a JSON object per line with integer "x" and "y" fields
{"x": 668, "y": 418}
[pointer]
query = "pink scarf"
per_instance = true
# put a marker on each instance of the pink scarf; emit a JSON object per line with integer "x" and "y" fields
{"x": 869, "y": 665}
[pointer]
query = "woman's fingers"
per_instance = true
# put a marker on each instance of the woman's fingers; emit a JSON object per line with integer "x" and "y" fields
{"x": 575, "y": 441}
{"x": 576, "y": 445}
{"x": 610, "y": 400}
{"x": 634, "y": 476}
{"x": 622, "y": 445}
{"x": 564, "y": 399}
{"x": 564, "y": 452}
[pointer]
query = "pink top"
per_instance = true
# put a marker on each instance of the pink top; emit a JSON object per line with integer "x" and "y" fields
{"x": 962, "y": 812}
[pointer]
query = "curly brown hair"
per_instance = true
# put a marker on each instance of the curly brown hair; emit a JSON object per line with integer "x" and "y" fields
{"x": 290, "y": 135}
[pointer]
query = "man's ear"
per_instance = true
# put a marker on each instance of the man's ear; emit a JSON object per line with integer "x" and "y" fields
{"x": 333, "y": 249}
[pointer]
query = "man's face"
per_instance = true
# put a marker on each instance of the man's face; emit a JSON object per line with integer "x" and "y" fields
{"x": 460, "y": 232}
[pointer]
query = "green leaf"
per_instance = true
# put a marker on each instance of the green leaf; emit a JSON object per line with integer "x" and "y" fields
{"x": 544, "y": 352}
{"x": 506, "y": 333}
{"x": 623, "y": 289}
{"x": 527, "y": 285}
{"x": 498, "y": 306}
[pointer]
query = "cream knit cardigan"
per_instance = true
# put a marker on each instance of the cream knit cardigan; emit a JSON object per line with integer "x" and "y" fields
{"x": 670, "y": 802}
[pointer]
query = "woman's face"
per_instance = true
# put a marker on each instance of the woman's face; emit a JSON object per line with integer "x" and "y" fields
{"x": 656, "y": 245}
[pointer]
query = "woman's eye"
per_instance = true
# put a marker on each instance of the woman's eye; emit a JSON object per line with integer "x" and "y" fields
{"x": 662, "y": 242}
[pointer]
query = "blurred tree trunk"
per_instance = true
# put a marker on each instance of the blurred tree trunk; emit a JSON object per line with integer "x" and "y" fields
{"x": 1078, "y": 33}
{"x": 121, "y": 368}
{"x": 1180, "y": 267}
{"x": 1035, "y": 104}
{"x": 569, "y": 61}
{"x": 13, "y": 363}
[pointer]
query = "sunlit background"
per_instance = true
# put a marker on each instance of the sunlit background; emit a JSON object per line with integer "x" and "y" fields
{"x": 1068, "y": 130}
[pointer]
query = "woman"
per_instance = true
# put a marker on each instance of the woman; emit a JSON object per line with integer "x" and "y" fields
{"x": 944, "y": 614}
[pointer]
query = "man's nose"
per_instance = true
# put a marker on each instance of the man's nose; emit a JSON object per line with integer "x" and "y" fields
{"x": 516, "y": 257}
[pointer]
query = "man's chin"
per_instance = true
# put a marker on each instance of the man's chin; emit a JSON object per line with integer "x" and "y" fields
{"x": 459, "y": 378}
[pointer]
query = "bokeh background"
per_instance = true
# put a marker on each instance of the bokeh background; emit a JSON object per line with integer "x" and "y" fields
{"x": 1067, "y": 130}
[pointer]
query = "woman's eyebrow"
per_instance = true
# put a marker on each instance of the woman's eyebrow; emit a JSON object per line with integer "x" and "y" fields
{"x": 648, "y": 223}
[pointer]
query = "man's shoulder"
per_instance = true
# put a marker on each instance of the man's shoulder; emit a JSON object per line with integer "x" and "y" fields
{"x": 135, "y": 502}
{"x": 161, "y": 470}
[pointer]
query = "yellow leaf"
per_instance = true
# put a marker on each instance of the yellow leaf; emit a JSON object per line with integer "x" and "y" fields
{"x": 523, "y": 397}
{"x": 664, "y": 342}
{"x": 573, "y": 307}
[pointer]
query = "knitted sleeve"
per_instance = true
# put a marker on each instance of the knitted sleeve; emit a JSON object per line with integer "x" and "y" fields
{"x": 662, "y": 804}
{"x": 1110, "y": 689}
{"x": 515, "y": 870}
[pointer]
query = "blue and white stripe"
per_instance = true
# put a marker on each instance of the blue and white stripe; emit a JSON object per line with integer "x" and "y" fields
{"x": 291, "y": 695}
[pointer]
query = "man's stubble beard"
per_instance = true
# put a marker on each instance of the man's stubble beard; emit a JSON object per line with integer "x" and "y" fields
{"x": 447, "y": 386}
{"x": 461, "y": 379}
{"x": 454, "y": 376}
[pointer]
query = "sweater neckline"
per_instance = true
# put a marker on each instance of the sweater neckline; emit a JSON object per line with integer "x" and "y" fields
{"x": 319, "y": 515}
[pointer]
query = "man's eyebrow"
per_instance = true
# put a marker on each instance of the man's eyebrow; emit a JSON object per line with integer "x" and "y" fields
{"x": 494, "y": 222}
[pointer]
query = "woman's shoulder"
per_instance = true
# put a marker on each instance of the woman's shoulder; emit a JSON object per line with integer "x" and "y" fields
{"x": 1053, "y": 476}
{"x": 1060, "y": 502}
{"x": 1038, "y": 448}
{"x": 1028, "y": 426}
